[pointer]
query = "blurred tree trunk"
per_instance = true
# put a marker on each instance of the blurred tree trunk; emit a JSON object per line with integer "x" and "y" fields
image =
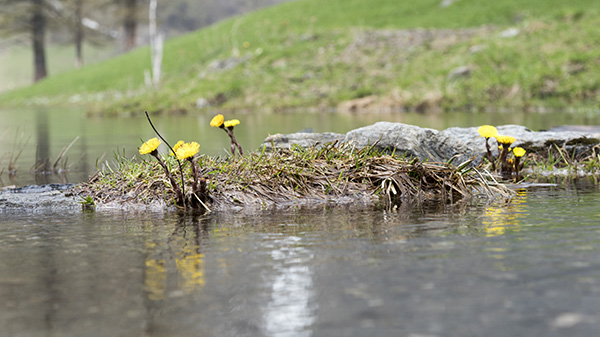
{"x": 79, "y": 33}
{"x": 38, "y": 32}
{"x": 130, "y": 23}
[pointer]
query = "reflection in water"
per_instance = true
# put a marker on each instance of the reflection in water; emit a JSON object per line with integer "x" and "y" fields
{"x": 42, "y": 153}
{"x": 184, "y": 246}
{"x": 290, "y": 311}
{"x": 155, "y": 280}
{"x": 190, "y": 266}
{"x": 498, "y": 220}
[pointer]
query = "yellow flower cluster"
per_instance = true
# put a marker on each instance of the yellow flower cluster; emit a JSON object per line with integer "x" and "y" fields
{"x": 182, "y": 149}
{"x": 506, "y": 165}
{"x": 219, "y": 121}
{"x": 150, "y": 146}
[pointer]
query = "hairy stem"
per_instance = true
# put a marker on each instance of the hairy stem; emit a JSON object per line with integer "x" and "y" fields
{"x": 180, "y": 198}
{"x": 178, "y": 162}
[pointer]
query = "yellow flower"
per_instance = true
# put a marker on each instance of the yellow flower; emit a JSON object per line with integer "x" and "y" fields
{"x": 187, "y": 150}
{"x": 231, "y": 123}
{"x": 487, "y": 131}
{"x": 179, "y": 143}
{"x": 519, "y": 151}
{"x": 150, "y": 146}
{"x": 217, "y": 121}
{"x": 506, "y": 140}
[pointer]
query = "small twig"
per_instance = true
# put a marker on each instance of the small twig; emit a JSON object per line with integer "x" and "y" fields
{"x": 201, "y": 203}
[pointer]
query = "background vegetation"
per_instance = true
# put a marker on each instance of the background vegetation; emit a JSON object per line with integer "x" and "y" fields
{"x": 472, "y": 54}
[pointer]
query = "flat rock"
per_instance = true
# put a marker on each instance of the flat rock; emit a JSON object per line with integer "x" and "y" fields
{"x": 531, "y": 141}
{"x": 440, "y": 146}
{"x": 39, "y": 198}
{"x": 302, "y": 139}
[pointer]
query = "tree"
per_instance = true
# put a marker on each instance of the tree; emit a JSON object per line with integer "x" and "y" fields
{"x": 29, "y": 17}
{"x": 79, "y": 33}
{"x": 76, "y": 15}
{"x": 156, "y": 43}
{"x": 130, "y": 23}
{"x": 38, "y": 32}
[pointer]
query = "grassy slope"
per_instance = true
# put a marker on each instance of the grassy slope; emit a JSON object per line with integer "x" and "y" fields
{"x": 296, "y": 55}
{"x": 16, "y": 66}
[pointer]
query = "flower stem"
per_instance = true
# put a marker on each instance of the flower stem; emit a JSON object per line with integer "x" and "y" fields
{"x": 234, "y": 142}
{"x": 164, "y": 166}
{"x": 489, "y": 154}
{"x": 505, "y": 169}
{"x": 180, "y": 198}
{"x": 195, "y": 173}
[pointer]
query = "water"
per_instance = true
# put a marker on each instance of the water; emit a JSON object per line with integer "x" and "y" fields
{"x": 40, "y": 135}
{"x": 529, "y": 267}
{"x": 526, "y": 268}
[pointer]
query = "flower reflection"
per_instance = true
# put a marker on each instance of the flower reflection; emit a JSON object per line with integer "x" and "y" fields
{"x": 498, "y": 220}
{"x": 188, "y": 269}
{"x": 156, "y": 277}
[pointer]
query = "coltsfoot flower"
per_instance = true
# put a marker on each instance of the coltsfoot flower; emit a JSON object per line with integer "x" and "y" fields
{"x": 187, "y": 150}
{"x": 487, "y": 131}
{"x": 177, "y": 146}
{"x": 505, "y": 140}
{"x": 231, "y": 123}
{"x": 217, "y": 121}
{"x": 519, "y": 151}
{"x": 150, "y": 146}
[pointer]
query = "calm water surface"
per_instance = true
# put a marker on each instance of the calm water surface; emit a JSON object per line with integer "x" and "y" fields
{"x": 526, "y": 268}
{"x": 40, "y": 135}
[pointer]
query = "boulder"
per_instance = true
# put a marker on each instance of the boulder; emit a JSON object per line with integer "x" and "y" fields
{"x": 414, "y": 141}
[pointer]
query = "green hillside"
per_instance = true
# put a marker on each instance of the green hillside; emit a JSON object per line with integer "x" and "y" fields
{"x": 398, "y": 54}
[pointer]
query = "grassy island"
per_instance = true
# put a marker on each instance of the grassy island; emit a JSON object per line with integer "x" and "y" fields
{"x": 335, "y": 173}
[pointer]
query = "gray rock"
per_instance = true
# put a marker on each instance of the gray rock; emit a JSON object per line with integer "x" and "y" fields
{"x": 40, "y": 200}
{"x": 592, "y": 130}
{"x": 426, "y": 144}
{"x": 446, "y": 3}
{"x": 202, "y": 103}
{"x": 460, "y": 72}
{"x": 303, "y": 139}
{"x": 510, "y": 32}
{"x": 529, "y": 140}
{"x": 439, "y": 146}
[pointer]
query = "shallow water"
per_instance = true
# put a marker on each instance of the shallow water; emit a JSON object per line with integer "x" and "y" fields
{"x": 526, "y": 268}
{"x": 40, "y": 135}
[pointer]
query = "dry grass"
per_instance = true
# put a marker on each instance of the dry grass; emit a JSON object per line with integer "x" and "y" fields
{"x": 335, "y": 173}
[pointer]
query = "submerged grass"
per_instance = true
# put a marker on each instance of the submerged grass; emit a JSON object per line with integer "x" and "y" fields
{"x": 335, "y": 173}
